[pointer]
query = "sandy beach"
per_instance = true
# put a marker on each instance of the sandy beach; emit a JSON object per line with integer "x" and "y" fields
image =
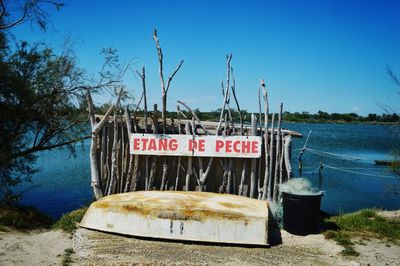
{"x": 98, "y": 248}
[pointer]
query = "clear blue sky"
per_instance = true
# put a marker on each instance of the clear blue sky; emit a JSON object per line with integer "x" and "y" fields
{"x": 314, "y": 55}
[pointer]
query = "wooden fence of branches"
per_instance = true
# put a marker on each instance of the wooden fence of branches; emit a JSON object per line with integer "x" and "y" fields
{"x": 115, "y": 170}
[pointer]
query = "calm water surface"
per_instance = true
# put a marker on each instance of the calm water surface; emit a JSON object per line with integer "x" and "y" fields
{"x": 63, "y": 183}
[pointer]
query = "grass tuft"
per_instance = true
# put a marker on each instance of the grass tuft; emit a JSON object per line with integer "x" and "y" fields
{"x": 67, "y": 259}
{"x": 68, "y": 221}
{"x": 363, "y": 224}
{"x": 367, "y": 223}
{"x": 343, "y": 239}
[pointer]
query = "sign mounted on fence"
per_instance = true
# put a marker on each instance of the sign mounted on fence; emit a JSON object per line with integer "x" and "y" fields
{"x": 199, "y": 146}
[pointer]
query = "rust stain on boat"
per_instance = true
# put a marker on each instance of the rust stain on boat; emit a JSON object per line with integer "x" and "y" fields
{"x": 197, "y": 206}
{"x": 231, "y": 205}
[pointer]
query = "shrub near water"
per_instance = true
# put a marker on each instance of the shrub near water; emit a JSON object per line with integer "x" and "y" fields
{"x": 23, "y": 217}
{"x": 68, "y": 221}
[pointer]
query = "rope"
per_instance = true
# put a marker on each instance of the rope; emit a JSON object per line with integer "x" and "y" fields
{"x": 357, "y": 173}
{"x": 326, "y": 155}
{"x": 336, "y": 155}
{"x": 364, "y": 168}
{"x": 311, "y": 171}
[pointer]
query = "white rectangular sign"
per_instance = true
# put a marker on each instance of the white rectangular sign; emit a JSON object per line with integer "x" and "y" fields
{"x": 200, "y": 146}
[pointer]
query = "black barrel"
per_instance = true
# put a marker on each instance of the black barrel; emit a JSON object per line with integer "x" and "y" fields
{"x": 301, "y": 213}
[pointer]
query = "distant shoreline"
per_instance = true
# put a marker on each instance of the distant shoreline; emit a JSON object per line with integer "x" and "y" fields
{"x": 343, "y": 122}
{"x": 331, "y": 122}
{"x": 304, "y": 117}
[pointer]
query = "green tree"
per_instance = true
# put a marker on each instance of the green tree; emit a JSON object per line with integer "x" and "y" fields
{"x": 38, "y": 92}
{"x": 42, "y": 103}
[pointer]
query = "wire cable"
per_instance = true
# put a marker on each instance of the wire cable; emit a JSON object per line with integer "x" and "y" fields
{"x": 336, "y": 155}
{"x": 357, "y": 173}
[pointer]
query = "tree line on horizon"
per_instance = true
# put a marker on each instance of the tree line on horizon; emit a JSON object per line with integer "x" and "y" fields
{"x": 304, "y": 116}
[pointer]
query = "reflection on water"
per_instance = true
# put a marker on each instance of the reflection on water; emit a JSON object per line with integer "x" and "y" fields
{"x": 63, "y": 183}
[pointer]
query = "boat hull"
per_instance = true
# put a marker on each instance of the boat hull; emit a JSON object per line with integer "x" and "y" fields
{"x": 193, "y": 216}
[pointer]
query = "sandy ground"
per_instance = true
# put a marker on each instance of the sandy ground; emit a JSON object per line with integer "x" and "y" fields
{"x": 33, "y": 248}
{"x": 97, "y": 248}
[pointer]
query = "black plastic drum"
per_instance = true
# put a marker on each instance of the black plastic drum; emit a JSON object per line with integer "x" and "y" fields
{"x": 301, "y": 213}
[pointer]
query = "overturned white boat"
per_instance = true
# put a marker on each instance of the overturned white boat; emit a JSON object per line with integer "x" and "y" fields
{"x": 195, "y": 216}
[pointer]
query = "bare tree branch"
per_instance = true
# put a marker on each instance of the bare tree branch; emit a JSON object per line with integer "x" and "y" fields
{"x": 226, "y": 92}
{"x": 17, "y": 21}
{"x": 194, "y": 115}
{"x": 393, "y": 76}
{"x": 143, "y": 77}
{"x": 172, "y": 76}
{"x": 160, "y": 59}
{"x": 3, "y": 8}
{"x": 90, "y": 108}
{"x": 237, "y": 102}
{"x": 99, "y": 125}
{"x": 164, "y": 90}
{"x": 181, "y": 113}
{"x": 48, "y": 147}
{"x": 138, "y": 104}
{"x": 31, "y": 10}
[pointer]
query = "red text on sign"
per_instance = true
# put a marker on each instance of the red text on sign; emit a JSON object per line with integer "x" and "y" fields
{"x": 237, "y": 146}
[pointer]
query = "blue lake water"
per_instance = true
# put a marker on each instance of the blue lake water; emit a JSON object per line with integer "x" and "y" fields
{"x": 63, "y": 183}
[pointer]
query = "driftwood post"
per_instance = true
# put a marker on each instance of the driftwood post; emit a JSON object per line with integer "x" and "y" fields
{"x": 131, "y": 157}
{"x": 114, "y": 168}
{"x": 271, "y": 160}
{"x": 143, "y": 78}
{"x": 253, "y": 181}
{"x": 179, "y": 158}
{"x": 190, "y": 161}
{"x": 288, "y": 147}
{"x": 281, "y": 177}
{"x": 277, "y": 175}
{"x": 266, "y": 113}
{"x": 103, "y": 155}
{"x": 259, "y": 186}
{"x": 123, "y": 156}
{"x": 153, "y": 167}
{"x": 133, "y": 169}
{"x": 96, "y": 128}
{"x": 244, "y": 164}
